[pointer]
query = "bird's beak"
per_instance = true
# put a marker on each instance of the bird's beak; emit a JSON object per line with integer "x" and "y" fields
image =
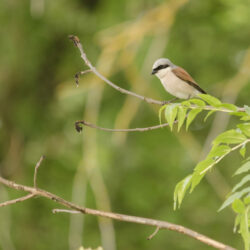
{"x": 153, "y": 72}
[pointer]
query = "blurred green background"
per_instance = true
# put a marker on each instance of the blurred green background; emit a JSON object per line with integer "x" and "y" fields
{"x": 131, "y": 173}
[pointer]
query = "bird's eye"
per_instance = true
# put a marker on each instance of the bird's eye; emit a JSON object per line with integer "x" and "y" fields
{"x": 162, "y": 67}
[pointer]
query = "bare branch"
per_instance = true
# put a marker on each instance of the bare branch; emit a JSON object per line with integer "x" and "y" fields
{"x": 79, "y": 128}
{"x": 154, "y": 233}
{"x": 54, "y": 211}
{"x": 121, "y": 217}
{"x": 36, "y": 169}
{"x": 24, "y": 198}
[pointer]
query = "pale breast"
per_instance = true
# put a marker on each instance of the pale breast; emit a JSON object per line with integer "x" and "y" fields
{"x": 176, "y": 87}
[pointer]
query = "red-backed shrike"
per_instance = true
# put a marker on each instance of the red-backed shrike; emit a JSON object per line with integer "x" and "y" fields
{"x": 175, "y": 79}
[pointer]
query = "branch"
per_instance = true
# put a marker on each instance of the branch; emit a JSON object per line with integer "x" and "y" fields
{"x": 78, "y": 44}
{"x": 115, "y": 216}
{"x": 82, "y": 122}
{"x": 24, "y": 198}
{"x": 36, "y": 169}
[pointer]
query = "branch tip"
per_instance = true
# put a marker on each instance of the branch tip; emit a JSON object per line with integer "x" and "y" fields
{"x": 74, "y": 39}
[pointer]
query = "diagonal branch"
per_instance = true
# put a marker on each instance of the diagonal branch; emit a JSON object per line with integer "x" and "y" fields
{"x": 24, "y": 198}
{"x": 115, "y": 216}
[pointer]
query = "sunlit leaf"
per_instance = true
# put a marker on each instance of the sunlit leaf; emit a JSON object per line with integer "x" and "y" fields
{"x": 244, "y": 229}
{"x": 211, "y": 100}
{"x": 233, "y": 197}
{"x": 170, "y": 114}
{"x": 208, "y": 114}
{"x": 243, "y": 150}
{"x": 228, "y": 106}
{"x": 244, "y": 180}
{"x": 244, "y": 168}
{"x": 238, "y": 206}
{"x": 180, "y": 190}
{"x": 245, "y": 128}
{"x": 198, "y": 102}
{"x": 230, "y": 137}
{"x": 237, "y": 222}
{"x": 219, "y": 151}
{"x": 182, "y": 111}
{"x": 191, "y": 115}
{"x": 160, "y": 112}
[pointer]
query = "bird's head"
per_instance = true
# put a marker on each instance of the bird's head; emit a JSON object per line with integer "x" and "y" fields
{"x": 161, "y": 66}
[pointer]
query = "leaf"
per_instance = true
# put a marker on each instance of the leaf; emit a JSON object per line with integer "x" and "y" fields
{"x": 218, "y": 151}
{"x": 181, "y": 116}
{"x": 241, "y": 183}
{"x": 245, "y": 118}
{"x": 199, "y": 171}
{"x": 186, "y": 103}
{"x": 197, "y": 102}
{"x": 244, "y": 168}
{"x": 180, "y": 190}
{"x": 160, "y": 112}
{"x": 191, "y": 115}
{"x": 211, "y": 100}
{"x": 170, "y": 114}
{"x": 233, "y": 197}
{"x": 208, "y": 114}
{"x": 244, "y": 229}
{"x": 238, "y": 206}
{"x": 245, "y": 128}
{"x": 228, "y": 106}
{"x": 230, "y": 137}
{"x": 237, "y": 222}
{"x": 243, "y": 150}
{"x": 247, "y": 200}
{"x": 247, "y": 109}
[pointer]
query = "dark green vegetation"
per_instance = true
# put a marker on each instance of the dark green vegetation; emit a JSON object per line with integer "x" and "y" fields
{"x": 133, "y": 173}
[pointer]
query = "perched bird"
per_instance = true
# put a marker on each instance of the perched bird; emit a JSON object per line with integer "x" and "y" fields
{"x": 175, "y": 79}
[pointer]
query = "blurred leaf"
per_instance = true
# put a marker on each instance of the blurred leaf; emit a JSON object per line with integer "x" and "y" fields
{"x": 228, "y": 106}
{"x": 247, "y": 108}
{"x": 244, "y": 180}
{"x": 170, "y": 114}
{"x": 211, "y": 100}
{"x": 238, "y": 206}
{"x": 180, "y": 191}
{"x": 182, "y": 111}
{"x": 245, "y": 128}
{"x": 237, "y": 222}
{"x": 244, "y": 229}
{"x": 233, "y": 197}
{"x": 160, "y": 112}
{"x": 208, "y": 114}
{"x": 230, "y": 137}
{"x": 244, "y": 168}
{"x": 197, "y": 102}
{"x": 243, "y": 150}
{"x": 191, "y": 115}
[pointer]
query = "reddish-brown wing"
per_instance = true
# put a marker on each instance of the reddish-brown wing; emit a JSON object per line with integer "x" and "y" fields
{"x": 184, "y": 76}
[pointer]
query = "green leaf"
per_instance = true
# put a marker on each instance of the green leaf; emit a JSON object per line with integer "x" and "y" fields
{"x": 197, "y": 102}
{"x": 237, "y": 222}
{"x": 233, "y": 197}
{"x": 191, "y": 115}
{"x": 200, "y": 170}
{"x": 244, "y": 168}
{"x": 238, "y": 206}
{"x": 208, "y": 114}
{"x": 228, "y": 106}
{"x": 170, "y": 114}
{"x": 245, "y": 128}
{"x": 245, "y": 118}
{"x": 247, "y": 200}
{"x": 211, "y": 100}
{"x": 244, "y": 229}
{"x": 182, "y": 111}
{"x": 186, "y": 103}
{"x": 243, "y": 150}
{"x": 218, "y": 151}
{"x": 244, "y": 180}
{"x": 247, "y": 109}
{"x": 160, "y": 112}
{"x": 180, "y": 191}
{"x": 230, "y": 137}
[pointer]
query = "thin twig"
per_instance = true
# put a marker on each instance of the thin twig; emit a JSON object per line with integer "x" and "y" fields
{"x": 79, "y": 128}
{"x": 54, "y": 211}
{"x": 36, "y": 169}
{"x": 24, "y": 198}
{"x": 77, "y": 75}
{"x": 115, "y": 216}
{"x": 154, "y": 233}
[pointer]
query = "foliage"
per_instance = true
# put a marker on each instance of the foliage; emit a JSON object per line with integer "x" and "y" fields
{"x": 223, "y": 144}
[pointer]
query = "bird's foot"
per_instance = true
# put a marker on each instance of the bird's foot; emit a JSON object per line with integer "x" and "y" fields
{"x": 170, "y": 101}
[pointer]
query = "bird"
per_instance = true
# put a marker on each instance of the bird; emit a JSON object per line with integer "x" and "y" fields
{"x": 176, "y": 80}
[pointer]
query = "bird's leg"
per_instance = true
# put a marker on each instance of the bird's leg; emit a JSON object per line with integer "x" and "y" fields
{"x": 170, "y": 101}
